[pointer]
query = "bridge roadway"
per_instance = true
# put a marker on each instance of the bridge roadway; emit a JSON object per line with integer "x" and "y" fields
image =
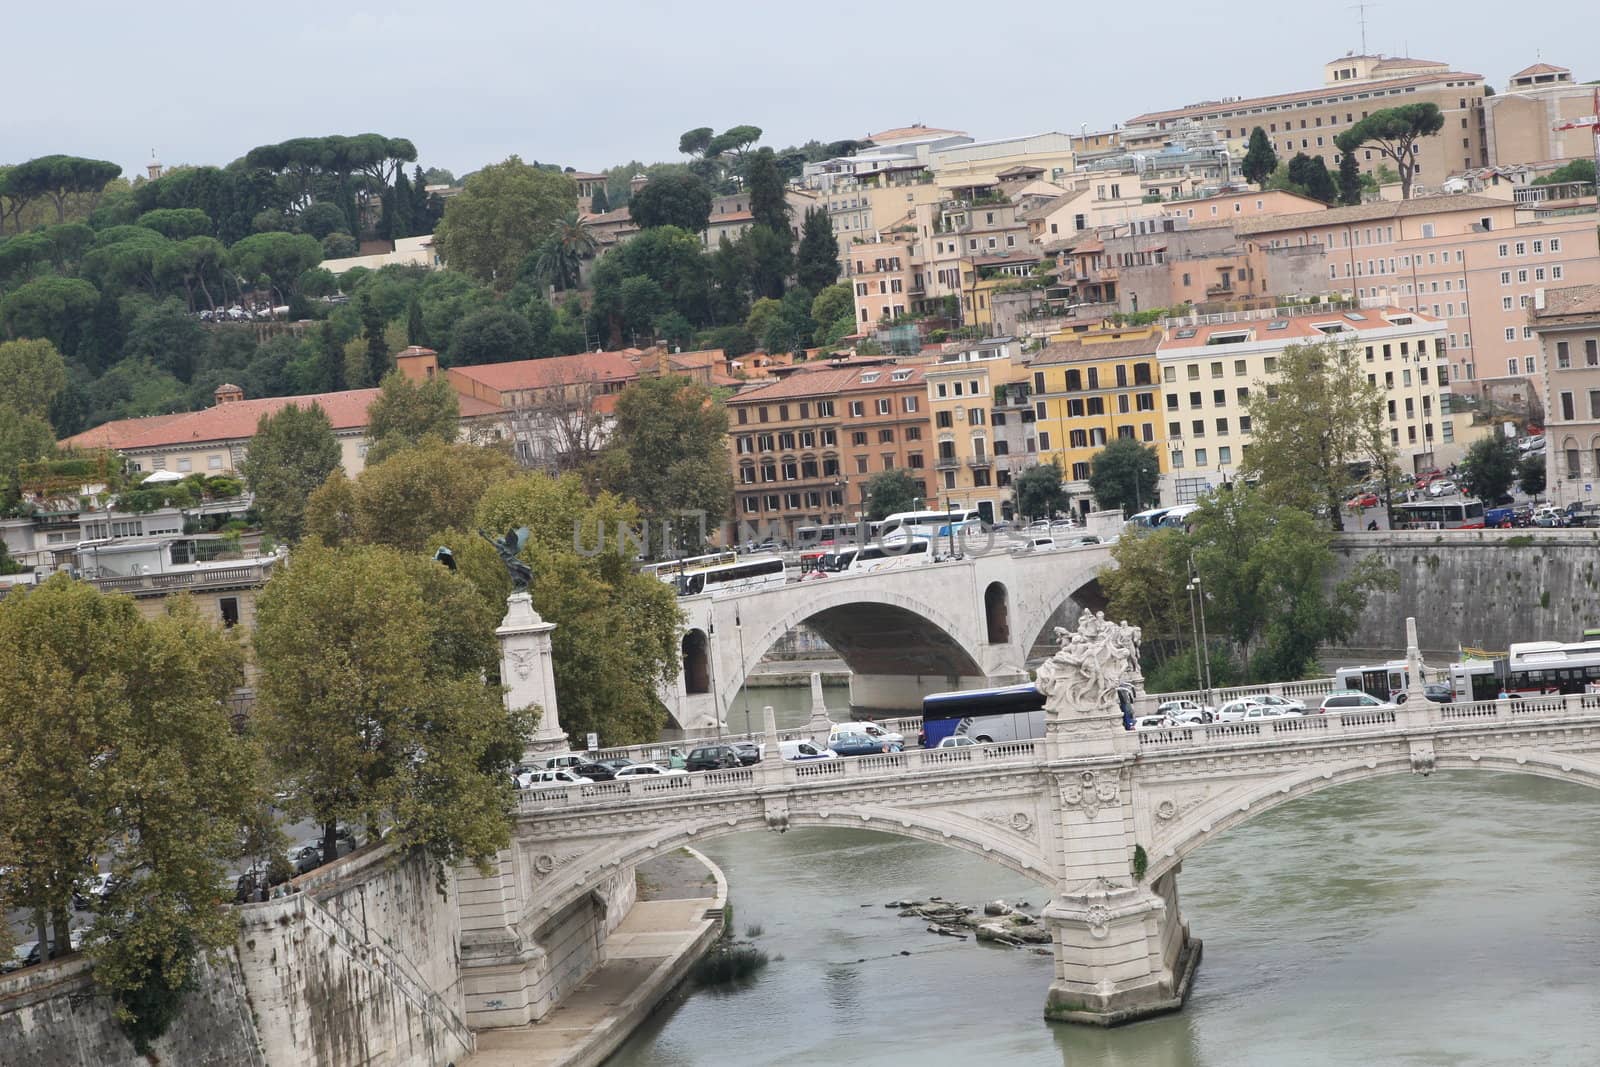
{"x": 1100, "y": 816}
{"x": 904, "y": 631}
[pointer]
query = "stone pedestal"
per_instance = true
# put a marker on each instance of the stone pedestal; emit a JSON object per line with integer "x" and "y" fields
{"x": 819, "y": 724}
{"x": 528, "y": 675}
{"x": 1123, "y": 952}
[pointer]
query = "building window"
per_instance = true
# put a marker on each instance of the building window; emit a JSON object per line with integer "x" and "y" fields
{"x": 886, "y": 437}
{"x": 184, "y": 464}
{"x": 1568, "y": 408}
{"x": 825, "y": 409}
{"x": 884, "y": 405}
{"x": 1199, "y": 457}
{"x": 858, "y": 408}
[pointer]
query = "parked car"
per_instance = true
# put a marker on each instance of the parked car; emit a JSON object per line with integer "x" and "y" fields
{"x": 1549, "y": 516}
{"x": 84, "y": 897}
{"x": 1362, "y": 500}
{"x": 566, "y": 759}
{"x": 712, "y": 757}
{"x": 1439, "y": 692}
{"x": 1274, "y": 701}
{"x": 861, "y": 745}
{"x": 1442, "y": 487}
{"x": 597, "y": 772}
{"x": 870, "y": 729}
{"x": 956, "y": 741}
{"x": 805, "y": 750}
{"x": 1349, "y": 700}
{"x": 547, "y": 779}
{"x": 1263, "y": 711}
{"x": 749, "y": 752}
{"x": 616, "y": 763}
{"x": 1235, "y": 710}
{"x": 647, "y": 770}
{"x": 25, "y": 955}
{"x": 1152, "y": 722}
{"x": 1174, "y": 708}
{"x": 305, "y": 858}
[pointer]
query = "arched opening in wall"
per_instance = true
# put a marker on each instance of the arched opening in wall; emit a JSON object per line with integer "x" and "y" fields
{"x": 997, "y": 614}
{"x": 696, "y": 663}
{"x": 1089, "y": 596}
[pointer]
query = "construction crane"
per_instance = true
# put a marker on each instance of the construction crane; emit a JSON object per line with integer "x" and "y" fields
{"x": 1588, "y": 122}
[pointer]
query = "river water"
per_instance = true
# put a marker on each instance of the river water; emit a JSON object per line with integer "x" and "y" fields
{"x": 1447, "y": 920}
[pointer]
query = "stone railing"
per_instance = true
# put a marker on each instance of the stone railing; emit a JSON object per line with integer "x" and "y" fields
{"x": 1310, "y": 687}
{"x": 243, "y": 576}
{"x": 782, "y": 773}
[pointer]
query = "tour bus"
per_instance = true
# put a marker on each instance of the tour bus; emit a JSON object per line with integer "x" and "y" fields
{"x": 1148, "y": 520}
{"x": 669, "y": 569}
{"x": 752, "y": 572}
{"x": 887, "y": 554}
{"x": 1010, "y": 713}
{"x": 831, "y": 562}
{"x": 1439, "y": 515}
{"x": 1386, "y": 681}
{"x": 815, "y": 542}
{"x": 930, "y": 524}
{"x": 1531, "y": 668}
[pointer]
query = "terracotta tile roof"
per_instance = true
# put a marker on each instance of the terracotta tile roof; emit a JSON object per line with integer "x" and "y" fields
{"x": 619, "y": 215}
{"x": 1299, "y": 327}
{"x": 599, "y": 367}
{"x": 1539, "y": 68}
{"x": 1575, "y": 300}
{"x": 117, "y": 433}
{"x": 1382, "y": 209}
{"x": 1332, "y": 92}
{"x": 1076, "y": 351}
{"x": 832, "y": 380}
{"x": 731, "y": 216}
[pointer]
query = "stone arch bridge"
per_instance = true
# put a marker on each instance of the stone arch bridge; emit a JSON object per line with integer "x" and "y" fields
{"x": 1101, "y": 816}
{"x": 904, "y": 631}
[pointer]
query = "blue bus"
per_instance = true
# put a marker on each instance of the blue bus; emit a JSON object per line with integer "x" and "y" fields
{"x": 1009, "y": 713}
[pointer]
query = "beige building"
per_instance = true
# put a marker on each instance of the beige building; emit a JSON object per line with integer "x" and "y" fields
{"x": 1473, "y": 262}
{"x": 1353, "y": 87}
{"x": 1520, "y": 123}
{"x": 1208, "y": 373}
{"x": 885, "y": 279}
{"x": 970, "y": 471}
{"x": 1566, "y": 322}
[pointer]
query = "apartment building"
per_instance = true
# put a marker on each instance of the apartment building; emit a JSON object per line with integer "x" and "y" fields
{"x": 885, "y": 277}
{"x": 1100, "y": 386}
{"x": 1566, "y": 322}
{"x": 1353, "y": 87}
{"x": 971, "y": 467}
{"x": 1473, "y": 262}
{"x": 1209, "y": 372}
{"x": 804, "y": 447}
{"x": 1520, "y": 123}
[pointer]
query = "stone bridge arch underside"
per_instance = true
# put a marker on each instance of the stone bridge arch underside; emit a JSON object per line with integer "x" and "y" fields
{"x": 1177, "y": 819}
{"x": 560, "y": 856}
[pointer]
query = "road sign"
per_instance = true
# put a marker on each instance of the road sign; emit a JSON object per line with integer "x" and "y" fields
{"x": 594, "y": 742}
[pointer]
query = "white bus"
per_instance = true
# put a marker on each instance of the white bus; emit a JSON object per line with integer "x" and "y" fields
{"x": 931, "y": 524}
{"x": 748, "y": 573}
{"x": 1531, "y": 668}
{"x": 891, "y": 553}
{"x": 1148, "y": 520}
{"x": 668, "y": 569}
{"x": 1176, "y": 518}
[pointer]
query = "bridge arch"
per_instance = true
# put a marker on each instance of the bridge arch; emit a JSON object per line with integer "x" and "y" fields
{"x": 1232, "y": 808}
{"x": 997, "y": 614}
{"x": 873, "y": 630}
{"x": 1079, "y": 591}
{"x": 696, "y": 662}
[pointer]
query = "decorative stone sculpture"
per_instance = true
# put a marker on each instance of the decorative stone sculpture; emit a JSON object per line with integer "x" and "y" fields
{"x": 1092, "y": 663}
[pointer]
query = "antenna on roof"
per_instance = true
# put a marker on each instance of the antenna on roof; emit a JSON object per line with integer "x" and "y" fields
{"x": 1362, "y": 8}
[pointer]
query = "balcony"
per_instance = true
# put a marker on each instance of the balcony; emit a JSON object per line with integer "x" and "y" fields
{"x": 980, "y": 462}
{"x": 1220, "y": 289}
{"x": 245, "y": 574}
{"x": 946, "y": 463}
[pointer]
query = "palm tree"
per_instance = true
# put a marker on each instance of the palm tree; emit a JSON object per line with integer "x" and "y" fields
{"x": 571, "y": 241}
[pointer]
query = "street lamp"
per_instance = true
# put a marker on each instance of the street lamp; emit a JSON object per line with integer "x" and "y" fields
{"x": 1197, "y": 594}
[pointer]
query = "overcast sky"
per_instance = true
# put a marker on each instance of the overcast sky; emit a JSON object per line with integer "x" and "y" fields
{"x": 595, "y": 84}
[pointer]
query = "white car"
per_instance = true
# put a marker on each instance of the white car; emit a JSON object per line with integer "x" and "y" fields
{"x": 647, "y": 770}
{"x": 1175, "y": 709}
{"x": 956, "y": 741}
{"x": 805, "y": 750}
{"x": 870, "y": 729}
{"x": 1287, "y": 704}
{"x": 1236, "y": 710}
{"x": 1442, "y": 487}
{"x": 1264, "y": 711}
{"x": 1152, "y": 722}
{"x": 547, "y": 779}
{"x": 1351, "y": 700}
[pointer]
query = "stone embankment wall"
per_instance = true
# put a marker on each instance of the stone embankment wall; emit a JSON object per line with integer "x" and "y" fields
{"x": 54, "y": 1016}
{"x": 357, "y": 969}
{"x": 1479, "y": 589}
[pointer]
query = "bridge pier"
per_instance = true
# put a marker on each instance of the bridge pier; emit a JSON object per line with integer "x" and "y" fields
{"x": 1123, "y": 952}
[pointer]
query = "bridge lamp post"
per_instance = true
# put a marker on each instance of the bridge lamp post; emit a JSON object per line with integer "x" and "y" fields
{"x": 1203, "y": 646}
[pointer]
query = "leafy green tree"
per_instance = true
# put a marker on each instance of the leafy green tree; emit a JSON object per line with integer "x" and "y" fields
{"x": 696, "y": 141}
{"x": 1531, "y": 473}
{"x": 178, "y": 223}
{"x": 447, "y": 297}
{"x": 831, "y": 304}
{"x": 32, "y": 375}
{"x": 891, "y": 491}
{"x": 768, "y": 207}
{"x": 116, "y": 734}
{"x": 767, "y": 260}
{"x": 406, "y": 498}
{"x": 372, "y": 332}
{"x": 616, "y": 635}
{"x": 278, "y": 258}
{"x": 292, "y": 453}
{"x": 1313, "y": 424}
{"x": 406, "y": 412}
{"x": 1124, "y": 474}
{"x": 668, "y": 454}
{"x": 817, "y": 257}
{"x": 165, "y": 335}
{"x": 1040, "y": 494}
{"x": 1578, "y": 170}
{"x": 51, "y": 308}
{"x": 491, "y": 335}
{"x": 1394, "y": 131}
{"x": 559, "y": 260}
{"x": 505, "y": 211}
{"x": 415, "y": 333}
{"x": 671, "y": 258}
{"x": 58, "y": 177}
{"x": 680, "y": 200}
{"x": 380, "y": 656}
{"x": 1490, "y": 468}
{"x": 734, "y": 141}
{"x": 599, "y": 204}
{"x": 1259, "y": 159}
{"x": 1351, "y": 187}
{"x": 1311, "y": 174}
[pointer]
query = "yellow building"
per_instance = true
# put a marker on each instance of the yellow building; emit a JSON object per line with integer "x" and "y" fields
{"x": 1089, "y": 391}
{"x": 962, "y": 390}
